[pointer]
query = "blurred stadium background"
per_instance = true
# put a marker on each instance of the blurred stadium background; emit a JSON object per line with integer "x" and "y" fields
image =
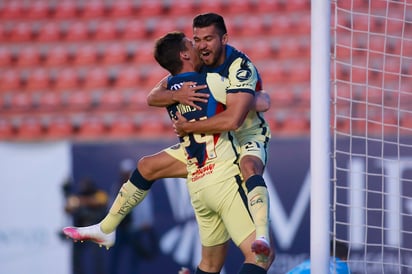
{"x": 82, "y": 69}
{"x": 74, "y": 76}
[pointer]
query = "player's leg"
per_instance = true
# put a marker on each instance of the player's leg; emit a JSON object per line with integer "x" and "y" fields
{"x": 164, "y": 164}
{"x": 213, "y": 258}
{"x": 252, "y": 166}
{"x": 240, "y": 226}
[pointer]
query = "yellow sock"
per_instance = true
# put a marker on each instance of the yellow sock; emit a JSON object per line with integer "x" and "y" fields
{"x": 128, "y": 197}
{"x": 259, "y": 209}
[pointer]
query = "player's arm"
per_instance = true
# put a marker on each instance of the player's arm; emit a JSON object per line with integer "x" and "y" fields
{"x": 237, "y": 107}
{"x": 262, "y": 101}
{"x": 160, "y": 96}
{"x": 239, "y": 101}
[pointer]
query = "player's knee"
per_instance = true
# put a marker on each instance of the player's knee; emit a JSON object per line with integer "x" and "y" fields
{"x": 250, "y": 166}
{"x": 147, "y": 167}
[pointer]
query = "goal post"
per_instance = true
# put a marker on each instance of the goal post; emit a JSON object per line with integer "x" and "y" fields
{"x": 371, "y": 126}
{"x": 320, "y": 136}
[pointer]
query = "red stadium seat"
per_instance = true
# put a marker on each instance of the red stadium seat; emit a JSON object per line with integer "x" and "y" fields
{"x": 21, "y": 101}
{"x": 153, "y": 75}
{"x": 77, "y": 100}
{"x": 134, "y": 29}
{"x": 65, "y": 9}
{"x": 160, "y": 26}
{"x": 91, "y": 127}
{"x": 6, "y": 56}
{"x": 112, "y": 99}
{"x": 181, "y": 7}
{"x": 152, "y": 126}
{"x": 28, "y": 56}
{"x": 50, "y": 100}
{"x": 144, "y": 53}
{"x": 281, "y": 96}
{"x": 96, "y": 77}
{"x": 30, "y": 128}
{"x": 49, "y": 32}
{"x": 249, "y": 26}
{"x": 21, "y": 32}
{"x": 114, "y": 53}
{"x": 297, "y": 5}
{"x": 10, "y": 80}
{"x": 85, "y": 54}
{"x": 217, "y": 6}
{"x": 105, "y": 30}
{"x": 59, "y": 127}
{"x": 6, "y": 129}
{"x": 66, "y": 79}
{"x": 128, "y": 77}
{"x": 12, "y": 10}
{"x": 121, "y": 8}
{"x": 92, "y": 9}
{"x": 77, "y": 31}
{"x": 149, "y": 8}
{"x": 239, "y": 7}
{"x": 295, "y": 124}
{"x": 137, "y": 99}
{"x": 264, "y": 6}
{"x": 122, "y": 126}
{"x": 57, "y": 56}
{"x": 3, "y": 33}
{"x": 259, "y": 50}
{"x": 38, "y": 9}
{"x": 38, "y": 79}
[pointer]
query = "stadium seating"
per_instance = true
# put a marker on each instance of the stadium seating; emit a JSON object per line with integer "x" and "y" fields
{"x": 83, "y": 69}
{"x": 65, "y": 9}
{"x": 59, "y": 127}
{"x": 56, "y": 56}
{"x": 50, "y": 31}
{"x": 6, "y": 57}
{"x": 121, "y": 8}
{"x": 37, "y": 79}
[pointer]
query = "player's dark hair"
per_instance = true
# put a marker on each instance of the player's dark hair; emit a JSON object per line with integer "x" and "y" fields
{"x": 167, "y": 51}
{"x": 209, "y": 19}
{"x": 340, "y": 249}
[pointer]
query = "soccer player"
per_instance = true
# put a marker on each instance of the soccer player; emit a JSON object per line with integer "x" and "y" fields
{"x": 213, "y": 180}
{"x": 211, "y": 38}
{"x": 254, "y": 134}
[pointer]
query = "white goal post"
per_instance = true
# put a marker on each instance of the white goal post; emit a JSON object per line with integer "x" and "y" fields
{"x": 371, "y": 130}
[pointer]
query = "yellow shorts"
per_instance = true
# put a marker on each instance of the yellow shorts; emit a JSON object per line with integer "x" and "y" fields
{"x": 255, "y": 145}
{"x": 221, "y": 213}
{"x": 177, "y": 152}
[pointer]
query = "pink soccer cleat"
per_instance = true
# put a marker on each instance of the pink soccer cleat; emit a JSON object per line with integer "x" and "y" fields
{"x": 261, "y": 248}
{"x": 91, "y": 233}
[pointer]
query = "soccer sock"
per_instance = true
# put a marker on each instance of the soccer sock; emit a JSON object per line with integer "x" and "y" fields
{"x": 130, "y": 195}
{"x": 258, "y": 198}
{"x": 199, "y": 271}
{"x": 251, "y": 269}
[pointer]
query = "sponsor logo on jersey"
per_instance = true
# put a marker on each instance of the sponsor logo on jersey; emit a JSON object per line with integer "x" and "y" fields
{"x": 243, "y": 74}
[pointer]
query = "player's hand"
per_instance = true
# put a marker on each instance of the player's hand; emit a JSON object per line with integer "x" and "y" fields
{"x": 178, "y": 125}
{"x": 188, "y": 95}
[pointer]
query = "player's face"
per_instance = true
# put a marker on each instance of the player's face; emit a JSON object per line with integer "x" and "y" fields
{"x": 194, "y": 56}
{"x": 210, "y": 45}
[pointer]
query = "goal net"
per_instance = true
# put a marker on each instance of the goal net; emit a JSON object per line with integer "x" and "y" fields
{"x": 372, "y": 133}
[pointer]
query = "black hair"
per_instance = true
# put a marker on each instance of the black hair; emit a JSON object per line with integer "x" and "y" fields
{"x": 167, "y": 51}
{"x": 209, "y": 19}
{"x": 340, "y": 249}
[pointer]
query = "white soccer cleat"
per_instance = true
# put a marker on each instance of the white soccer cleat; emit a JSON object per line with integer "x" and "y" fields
{"x": 261, "y": 248}
{"x": 90, "y": 233}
